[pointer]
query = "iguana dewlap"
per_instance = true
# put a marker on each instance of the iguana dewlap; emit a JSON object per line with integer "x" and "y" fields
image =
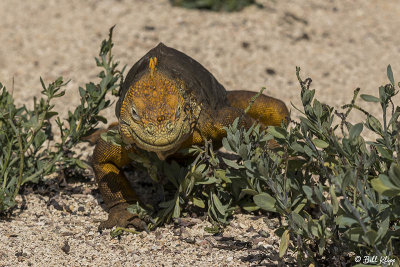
{"x": 169, "y": 101}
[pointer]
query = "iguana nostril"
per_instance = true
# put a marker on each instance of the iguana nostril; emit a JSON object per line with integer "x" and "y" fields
{"x": 169, "y": 127}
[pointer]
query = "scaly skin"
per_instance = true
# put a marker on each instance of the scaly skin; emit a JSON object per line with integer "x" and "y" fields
{"x": 169, "y": 102}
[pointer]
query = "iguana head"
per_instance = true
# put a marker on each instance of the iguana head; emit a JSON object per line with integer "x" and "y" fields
{"x": 155, "y": 113}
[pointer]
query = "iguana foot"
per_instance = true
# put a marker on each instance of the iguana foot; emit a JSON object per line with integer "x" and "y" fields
{"x": 119, "y": 216}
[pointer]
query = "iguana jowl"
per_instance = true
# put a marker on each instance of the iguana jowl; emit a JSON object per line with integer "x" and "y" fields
{"x": 169, "y": 101}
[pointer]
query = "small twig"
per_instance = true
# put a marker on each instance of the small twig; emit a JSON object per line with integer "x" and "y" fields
{"x": 12, "y": 87}
{"x": 253, "y": 99}
{"x": 251, "y": 103}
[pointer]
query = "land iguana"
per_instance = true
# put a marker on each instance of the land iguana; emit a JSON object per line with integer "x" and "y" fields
{"x": 167, "y": 102}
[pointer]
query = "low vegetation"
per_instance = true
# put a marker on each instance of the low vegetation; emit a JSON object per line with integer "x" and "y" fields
{"x": 30, "y": 148}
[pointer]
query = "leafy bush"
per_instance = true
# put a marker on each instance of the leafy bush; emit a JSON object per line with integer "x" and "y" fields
{"x": 28, "y": 151}
{"x": 214, "y": 5}
{"x": 338, "y": 196}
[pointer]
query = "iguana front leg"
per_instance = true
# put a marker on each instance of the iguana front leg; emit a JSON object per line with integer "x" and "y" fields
{"x": 117, "y": 193}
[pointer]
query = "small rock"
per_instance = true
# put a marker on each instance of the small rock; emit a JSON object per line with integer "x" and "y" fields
{"x": 189, "y": 240}
{"x": 268, "y": 247}
{"x": 186, "y": 222}
{"x": 55, "y": 204}
{"x": 203, "y": 243}
{"x": 304, "y": 36}
{"x": 66, "y": 234}
{"x": 264, "y": 233}
{"x": 250, "y": 229}
{"x": 149, "y": 28}
{"x": 66, "y": 248}
{"x": 143, "y": 250}
{"x": 224, "y": 238}
{"x": 177, "y": 232}
{"x": 158, "y": 234}
{"x": 257, "y": 241}
{"x": 143, "y": 234}
{"x": 87, "y": 191}
{"x": 233, "y": 224}
{"x": 270, "y": 71}
{"x": 90, "y": 233}
{"x": 21, "y": 254}
{"x": 271, "y": 224}
{"x": 69, "y": 209}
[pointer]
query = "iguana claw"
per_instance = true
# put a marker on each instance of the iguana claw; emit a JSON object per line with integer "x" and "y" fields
{"x": 119, "y": 216}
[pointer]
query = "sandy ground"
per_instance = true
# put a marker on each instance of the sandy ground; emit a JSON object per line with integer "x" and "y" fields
{"x": 342, "y": 45}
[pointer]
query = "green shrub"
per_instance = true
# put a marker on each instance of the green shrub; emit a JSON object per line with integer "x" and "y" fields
{"x": 28, "y": 151}
{"x": 339, "y": 197}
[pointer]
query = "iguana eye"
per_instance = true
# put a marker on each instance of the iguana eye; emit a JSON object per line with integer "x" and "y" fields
{"x": 135, "y": 116}
{"x": 178, "y": 111}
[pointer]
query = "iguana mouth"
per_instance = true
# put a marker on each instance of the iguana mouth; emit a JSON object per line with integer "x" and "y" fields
{"x": 155, "y": 143}
{"x": 170, "y": 143}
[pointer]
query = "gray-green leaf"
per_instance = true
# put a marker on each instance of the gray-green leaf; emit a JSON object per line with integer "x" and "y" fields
{"x": 265, "y": 201}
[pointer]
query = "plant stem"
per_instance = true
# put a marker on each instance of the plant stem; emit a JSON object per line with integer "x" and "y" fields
{"x": 21, "y": 157}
